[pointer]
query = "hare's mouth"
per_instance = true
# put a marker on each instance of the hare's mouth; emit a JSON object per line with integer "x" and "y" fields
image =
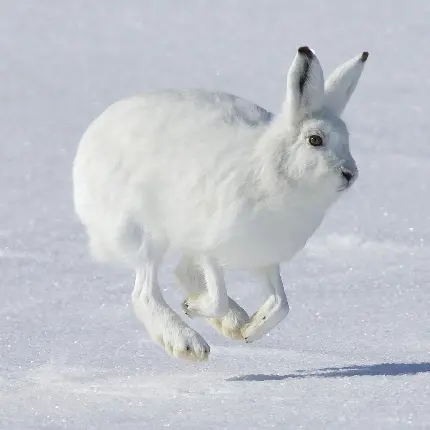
{"x": 348, "y": 177}
{"x": 344, "y": 188}
{"x": 345, "y": 185}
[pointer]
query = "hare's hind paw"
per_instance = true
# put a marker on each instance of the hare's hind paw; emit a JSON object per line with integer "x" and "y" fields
{"x": 183, "y": 342}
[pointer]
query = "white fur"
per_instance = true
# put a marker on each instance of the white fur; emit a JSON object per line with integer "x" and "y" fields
{"x": 220, "y": 180}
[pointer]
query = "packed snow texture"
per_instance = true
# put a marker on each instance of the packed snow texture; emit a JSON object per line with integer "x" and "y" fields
{"x": 354, "y": 350}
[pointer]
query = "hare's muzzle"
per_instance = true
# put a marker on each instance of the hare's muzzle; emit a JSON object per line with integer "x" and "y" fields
{"x": 349, "y": 176}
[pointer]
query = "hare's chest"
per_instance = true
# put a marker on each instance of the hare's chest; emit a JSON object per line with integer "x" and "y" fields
{"x": 268, "y": 237}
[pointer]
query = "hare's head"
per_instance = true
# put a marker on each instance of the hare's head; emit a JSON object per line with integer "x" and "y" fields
{"x": 318, "y": 150}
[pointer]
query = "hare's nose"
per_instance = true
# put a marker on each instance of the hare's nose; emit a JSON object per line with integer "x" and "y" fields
{"x": 347, "y": 175}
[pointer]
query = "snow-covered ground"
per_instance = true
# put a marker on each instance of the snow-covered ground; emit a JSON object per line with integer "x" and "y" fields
{"x": 354, "y": 352}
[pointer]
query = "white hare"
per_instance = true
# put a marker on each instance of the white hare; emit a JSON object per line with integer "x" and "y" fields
{"x": 221, "y": 181}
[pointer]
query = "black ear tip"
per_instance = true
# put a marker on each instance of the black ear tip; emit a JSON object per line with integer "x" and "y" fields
{"x": 306, "y": 51}
{"x": 364, "y": 56}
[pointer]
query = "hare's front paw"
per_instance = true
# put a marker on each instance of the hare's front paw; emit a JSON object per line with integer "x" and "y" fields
{"x": 271, "y": 313}
{"x": 231, "y": 324}
{"x": 203, "y": 305}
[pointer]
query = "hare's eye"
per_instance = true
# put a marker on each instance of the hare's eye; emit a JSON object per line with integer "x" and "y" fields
{"x": 315, "y": 140}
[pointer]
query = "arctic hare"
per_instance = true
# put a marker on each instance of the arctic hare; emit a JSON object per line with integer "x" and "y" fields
{"x": 223, "y": 182}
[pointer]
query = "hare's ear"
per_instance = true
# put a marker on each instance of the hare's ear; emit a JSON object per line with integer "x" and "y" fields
{"x": 305, "y": 85}
{"x": 342, "y": 82}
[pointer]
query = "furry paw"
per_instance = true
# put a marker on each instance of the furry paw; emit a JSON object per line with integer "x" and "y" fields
{"x": 183, "y": 342}
{"x": 271, "y": 313}
{"x": 202, "y": 305}
{"x": 167, "y": 329}
{"x": 231, "y": 324}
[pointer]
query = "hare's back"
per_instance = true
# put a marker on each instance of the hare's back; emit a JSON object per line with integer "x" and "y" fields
{"x": 168, "y": 134}
{"x": 220, "y": 105}
{"x": 174, "y": 122}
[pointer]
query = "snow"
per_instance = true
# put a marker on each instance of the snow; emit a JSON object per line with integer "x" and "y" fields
{"x": 355, "y": 350}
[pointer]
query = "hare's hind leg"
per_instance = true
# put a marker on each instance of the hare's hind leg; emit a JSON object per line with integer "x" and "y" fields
{"x": 273, "y": 310}
{"x": 191, "y": 277}
{"x": 164, "y": 326}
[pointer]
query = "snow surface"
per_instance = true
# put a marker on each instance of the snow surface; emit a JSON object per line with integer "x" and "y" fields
{"x": 354, "y": 351}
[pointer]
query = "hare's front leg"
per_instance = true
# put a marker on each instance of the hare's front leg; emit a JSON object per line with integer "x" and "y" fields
{"x": 213, "y": 301}
{"x": 164, "y": 326}
{"x": 191, "y": 278}
{"x": 274, "y": 309}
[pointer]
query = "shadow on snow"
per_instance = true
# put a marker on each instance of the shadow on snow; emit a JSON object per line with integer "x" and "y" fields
{"x": 383, "y": 369}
